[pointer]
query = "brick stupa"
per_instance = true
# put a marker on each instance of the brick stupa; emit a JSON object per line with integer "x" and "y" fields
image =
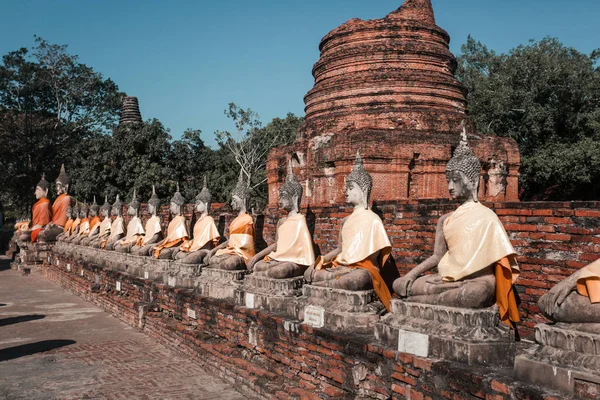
{"x": 130, "y": 111}
{"x": 387, "y": 87}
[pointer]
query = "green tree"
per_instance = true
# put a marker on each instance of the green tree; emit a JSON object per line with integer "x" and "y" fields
{"x": 546, "y": 96}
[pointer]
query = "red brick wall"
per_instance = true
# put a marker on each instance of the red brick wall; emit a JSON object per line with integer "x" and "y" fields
{"x": 266, "y": 355}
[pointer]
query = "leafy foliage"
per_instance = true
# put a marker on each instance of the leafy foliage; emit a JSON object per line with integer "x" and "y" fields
{"x": 546, "y": 96}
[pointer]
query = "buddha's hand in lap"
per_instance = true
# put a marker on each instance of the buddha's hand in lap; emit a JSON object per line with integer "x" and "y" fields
{"x": 556, "y": 296}
{"x": 403, "y": 285}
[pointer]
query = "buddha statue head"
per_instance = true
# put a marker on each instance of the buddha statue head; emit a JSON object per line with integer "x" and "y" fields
{"x": 177, "y": 202}
{"x": 62, "y": 182}
{"x": 94, "y": 208}
{"x": 84, "y": 210}
{"x": 105, "y": 209}
{"x": 463, "y": 171}
{"x": 76, "y": 209}
{"x": 117, "y": 208}
{"x": 41, "y": 189}
{"x": 358, "y": 184}
{"x": 203, "y": 199}
{"x": 69, "y": 212}
{"x": 240, "y": 197}
{"x": 134, "y": 205}
{"x": 290, "y": 193}
{"x": 153, "y": 203}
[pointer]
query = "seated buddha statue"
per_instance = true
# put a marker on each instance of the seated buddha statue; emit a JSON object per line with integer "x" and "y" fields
{"x": 475, "y": 260}
{"x": 177, "y": 232}
{"x": 117, "y": 228}
{"x": 41, "y": 212}
{"x": 153, "y": 230}
{"x": 575, "y": 299}
{"x": 105, "y": 225}
{"x": 135, "y": 229}
{"x": 364, "y": 246}
{"x": 68, "y": 225}
{"x": 206, "y": 234}
{"x": 234, "y": 253}
{"x": 84, "y": 225}
{"x": 73, "y": 229}
{"x": 292, "y": 253}
{"x": 94, "y": 224}
{"x": 59, "y": 209}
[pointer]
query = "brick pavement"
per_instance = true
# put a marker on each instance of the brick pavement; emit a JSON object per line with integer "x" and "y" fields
{"x": 53, "y": 345}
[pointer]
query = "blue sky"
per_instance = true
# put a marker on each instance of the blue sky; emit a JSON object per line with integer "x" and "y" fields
{"x": 186, "y": 60}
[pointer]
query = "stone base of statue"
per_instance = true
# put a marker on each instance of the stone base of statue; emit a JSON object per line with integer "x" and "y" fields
{"x": 339, "y": 310}
{"x": 473, "y": 337}
{"x": 31, "y": 256}
{"x": 153, "y": 268}
{"x": 221, "y": 284}
{"x": 182, "y": 275}
{"x": 562, "y": 358}
{"x": 275, "y": 295}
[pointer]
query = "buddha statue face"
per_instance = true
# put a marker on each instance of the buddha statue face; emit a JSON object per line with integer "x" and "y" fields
{"x": 69, "y": 212}
{"x": 237, "y": 203}
{"x": 461, "y": 188}
{"x": 60, "y": 188}
{"x": 355, "y": 195}
{"x": 104, "y": 212}
{"x": 82, "y": 213}
{"x": 40, "y": 192}
{"x": 151, "y": 209}
{"x": 114, "y": 212}
{"x": 287, "y": 201}
{"x": 93, "y": 213}
{"x": 201, "y": 206}
{"x": 174, "y": 208}
{"x": 131, "y": 211}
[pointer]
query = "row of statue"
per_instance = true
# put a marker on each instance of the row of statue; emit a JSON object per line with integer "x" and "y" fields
{"x": 476, "y": 263}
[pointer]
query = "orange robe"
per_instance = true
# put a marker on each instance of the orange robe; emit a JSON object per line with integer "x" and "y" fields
{"x": 73, "y": 226}
{"x": 94, "y": 225}
{"x": 68, "y": 225}
{"x": 588, "y": 283}
{"x": 241, "y": 238}
{"x": 41, "y": 216}
{"x": 59, "y": 209}
{"x": 176, "y": 234}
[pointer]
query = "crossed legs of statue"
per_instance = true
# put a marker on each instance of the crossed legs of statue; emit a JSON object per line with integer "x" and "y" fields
{"x": 194, "y": 257}
{"x": 278, "y": 269}
{"x": 166, "y": 254}
{"x": 142, "y": 250}
{"x": 343, "y": 278}
{"x": 227, "y": 262}
{"x": 50, "y": 233}
{"x": 476, "y": 292}
{"x": 574, "y": 309}
{"x": 124, "y": 248}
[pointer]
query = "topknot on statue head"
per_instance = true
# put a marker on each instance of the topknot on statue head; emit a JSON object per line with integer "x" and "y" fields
{"x": 95, "y": 207}
{"x": 178, "y": 198}
{"x": 106, "y": 205}
{"x": 154, "y": 200}
{"x": 291, "y": 187}
{"x": 43, "y": 183}
{"x": 361, "y": 177}
{"x": 134, "y": 202}
{"x": 465, "y": 161}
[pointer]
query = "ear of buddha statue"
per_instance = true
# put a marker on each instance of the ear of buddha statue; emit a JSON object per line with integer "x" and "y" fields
{"x": 361, "y": 177}
{"x": 465, "y": 161}
{"x": 291, "y": 187}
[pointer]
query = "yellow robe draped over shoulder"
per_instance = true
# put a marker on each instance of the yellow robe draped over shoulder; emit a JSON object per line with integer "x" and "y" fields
{"x": 68, "y": 225}
{"x": 94, "y": 226}
{"x": 176, "y": 233}
{"x": 105, "y": 226}
{"x": 116, "y": 228}
{"x": 294, "y": 243}
{"x": 59, "y": 209}
{"x": 84, "y": 227}
{"x": 134, "y": 231}
{"x": 363, "y": 235}
{"x": 241, "y": 238}
{"x": 152, "y": 228}
{"x": 73, "y": 226}
{"x": 588, "y": 282}
{"x": 476, "y": 240}
{"x": 205, "y": 231}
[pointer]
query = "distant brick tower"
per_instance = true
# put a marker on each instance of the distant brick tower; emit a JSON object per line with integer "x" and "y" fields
{"x": 130, "y": 111}
{"x": 387, "y": 87}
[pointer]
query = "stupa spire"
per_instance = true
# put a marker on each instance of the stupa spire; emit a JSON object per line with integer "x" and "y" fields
{"x": 130, "y": 111}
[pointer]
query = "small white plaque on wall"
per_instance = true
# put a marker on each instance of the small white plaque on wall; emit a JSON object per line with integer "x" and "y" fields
{"x": 172, "y": 281}
{"x": 69, "y": 267}
{"x": 81, "y": 272}
{"x": 48, "y": 259}
{"x": 413, "y": 343}
{"x": 249, "y": 300}
{"x": 57, "y": 262}
{"x": 146, "y": 275}
{"x": 118, "y": 286}
{"x": 191, "y": 313}
{"x": 314, "y": 316}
